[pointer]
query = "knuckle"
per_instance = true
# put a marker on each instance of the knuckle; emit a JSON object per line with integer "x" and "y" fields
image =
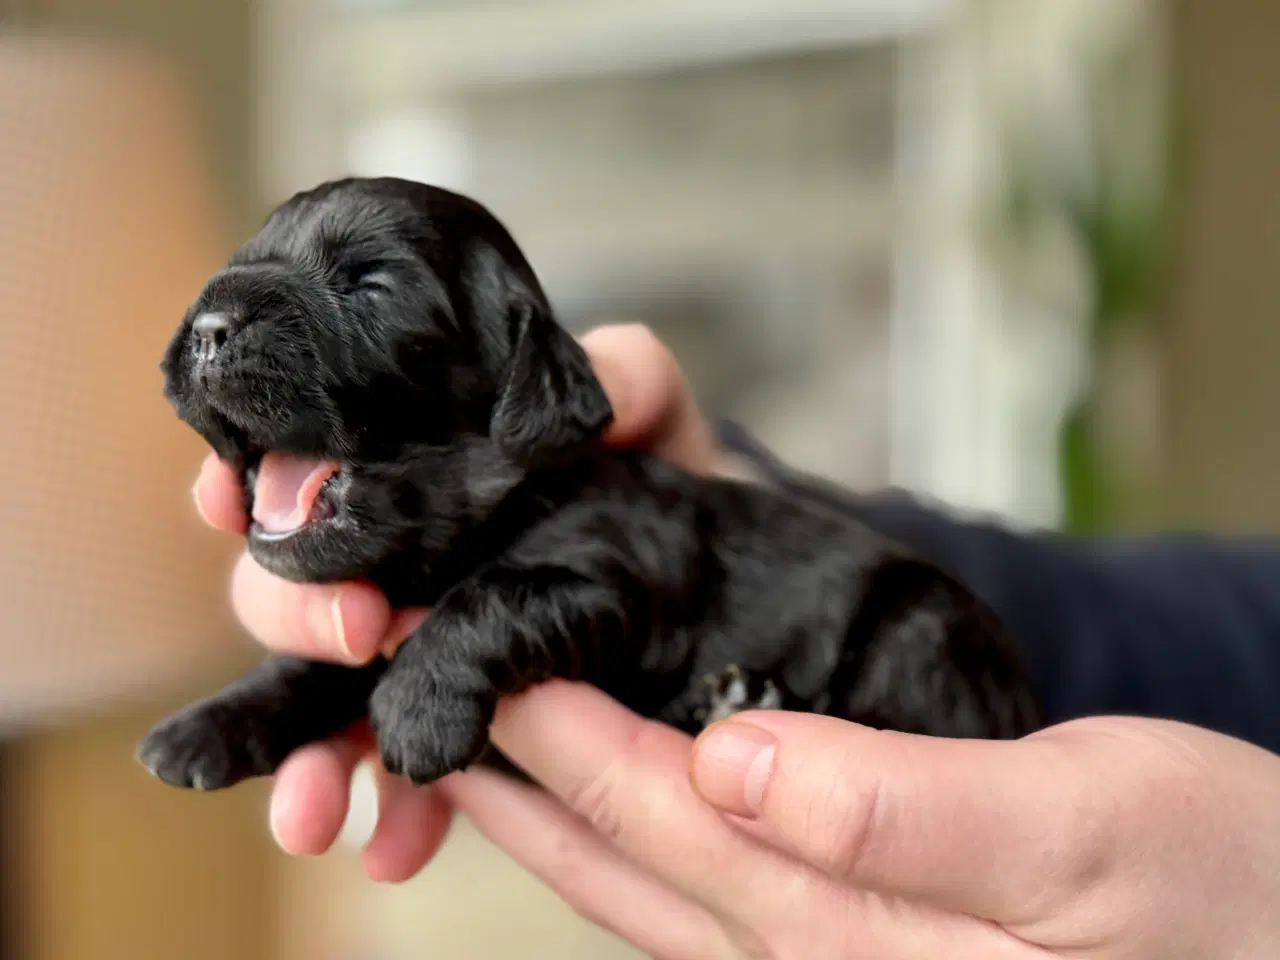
{"x": 607, "y": 799}
{"x": 841, "y": 823}
{"x": 596, "y": 801}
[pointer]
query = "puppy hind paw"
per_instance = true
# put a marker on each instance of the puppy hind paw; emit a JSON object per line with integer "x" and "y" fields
{"x": 202, "y": 749}
{"x": 733, "y": 690}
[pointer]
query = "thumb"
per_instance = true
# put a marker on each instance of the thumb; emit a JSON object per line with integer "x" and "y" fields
{"x": 1002, "y": 830}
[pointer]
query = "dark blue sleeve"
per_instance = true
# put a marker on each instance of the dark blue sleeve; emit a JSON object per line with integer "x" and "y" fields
{"x": 1180, "y": 626}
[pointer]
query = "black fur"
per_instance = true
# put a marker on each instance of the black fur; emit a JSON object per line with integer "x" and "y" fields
{"x": 397, "y": 328}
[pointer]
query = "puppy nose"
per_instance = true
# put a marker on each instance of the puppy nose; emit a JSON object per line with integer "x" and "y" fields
{"x": 210, "y": 331}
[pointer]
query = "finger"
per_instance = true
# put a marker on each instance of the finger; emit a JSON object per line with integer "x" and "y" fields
{"x": 218, "y": 496}
{"x": 588, "y": 873}
{"x": 990, "y": 828}
{"x": 403, "y": 622}
{"x": 607, "y": 888}
{"x": 652, "y": 403}
{"x": 344, "y": 623}
{"x": 311, "y": 794}
{"x": 412, "y": 824}
{"x": 629, "y": 778}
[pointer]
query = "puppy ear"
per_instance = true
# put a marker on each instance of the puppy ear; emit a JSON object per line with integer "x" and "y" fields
{"x": 926, "y": 656}
{"x": 550, "y": 403}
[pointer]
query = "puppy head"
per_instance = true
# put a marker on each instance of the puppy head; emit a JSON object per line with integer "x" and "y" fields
{"x": 372, "y": 328}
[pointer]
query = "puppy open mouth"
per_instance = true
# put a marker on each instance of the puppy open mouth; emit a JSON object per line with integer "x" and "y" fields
{"x": 292, "y": 492}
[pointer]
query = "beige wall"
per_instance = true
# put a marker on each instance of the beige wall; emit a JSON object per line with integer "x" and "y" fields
{"x": 111, "y": 864}
{"x": 211, "y": 41}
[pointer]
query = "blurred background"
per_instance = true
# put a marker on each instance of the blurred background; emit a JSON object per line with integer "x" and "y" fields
{"x": 1018, "y": 256}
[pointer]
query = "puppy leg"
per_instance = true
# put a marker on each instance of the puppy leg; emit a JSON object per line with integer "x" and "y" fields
{"x": 249, "y": 727}
{"x": 494, "y": 635}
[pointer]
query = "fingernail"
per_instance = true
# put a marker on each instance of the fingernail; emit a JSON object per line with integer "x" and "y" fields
{"x": 732, "y": 763}
{"x": 324, "y": 620}
{"x": 195, "y": 498}
{"x": 278, "y": 813}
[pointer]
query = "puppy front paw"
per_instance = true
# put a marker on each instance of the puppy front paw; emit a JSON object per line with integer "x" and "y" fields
{"x": 205, "y": 747}
{"x": 425, "y": 732}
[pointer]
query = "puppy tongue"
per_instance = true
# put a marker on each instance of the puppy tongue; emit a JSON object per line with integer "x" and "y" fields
{"x": 286, "y": 490}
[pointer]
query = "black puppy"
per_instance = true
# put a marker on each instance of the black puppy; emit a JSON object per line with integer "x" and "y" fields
{"x": 381, "y": 365}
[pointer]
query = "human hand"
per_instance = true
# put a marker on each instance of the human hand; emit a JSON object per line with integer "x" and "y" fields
{"x": 792, "y": 835}
{"x": 352, "y": 622}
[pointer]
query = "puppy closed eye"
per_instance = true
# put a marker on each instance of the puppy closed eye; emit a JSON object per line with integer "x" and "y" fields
{"x": 373, "y": 278}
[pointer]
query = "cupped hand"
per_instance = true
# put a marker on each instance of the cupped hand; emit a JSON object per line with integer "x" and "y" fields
{"x": 792, "y": 835}
{"x": 352, "y": 622}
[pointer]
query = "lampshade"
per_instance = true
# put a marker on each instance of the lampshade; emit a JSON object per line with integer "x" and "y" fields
{"x": 109, "y": 585}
